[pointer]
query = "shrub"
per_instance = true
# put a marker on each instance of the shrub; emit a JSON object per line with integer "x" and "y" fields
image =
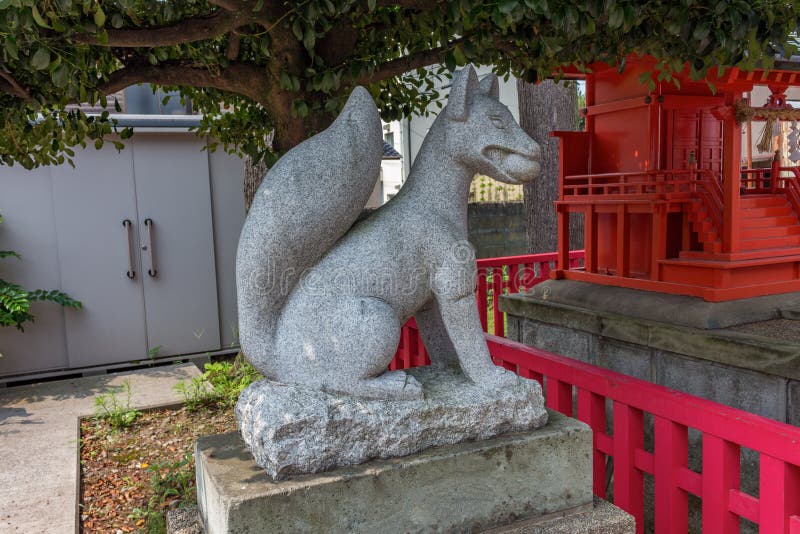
{"x": 219, "y": 385}
{"x": 117, "y": 412}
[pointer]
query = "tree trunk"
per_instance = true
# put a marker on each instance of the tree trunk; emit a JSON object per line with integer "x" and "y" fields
{"x": 546, "y": 107}
{"x": 253, "y": 175}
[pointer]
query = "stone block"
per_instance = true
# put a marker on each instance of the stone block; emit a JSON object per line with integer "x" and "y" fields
{"x": 793, "y": 405}
{"x": 632, "y": 360}
{"x": 602, "y": 518}
{"x": 293, "y": 430}
{"x": 535, "y": 305}
{"x": 757, "y": 393}
{"x": 565, "y": 341}
{"x": 513, "y": 328}
{"x": 467, "y": 487}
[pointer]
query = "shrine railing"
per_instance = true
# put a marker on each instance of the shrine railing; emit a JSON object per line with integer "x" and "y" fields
{"x": 496, "y": 276}
{"x": 791, "y": 187}
{"x": 675, "y": 185}
{"x": 644, "y": 185}
{"x": 709, "y": 191}
{"x": 615, "y": 405}
{"x": 724, "y": 432}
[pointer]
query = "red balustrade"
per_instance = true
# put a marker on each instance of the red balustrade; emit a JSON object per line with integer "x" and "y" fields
{"x": 584, "y": 391}
{"x": 725, "y": 431}
{"x": 496, "y": 276}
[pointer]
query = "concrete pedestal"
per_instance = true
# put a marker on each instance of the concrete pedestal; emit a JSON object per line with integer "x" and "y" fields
{"x": 466, "y": 487}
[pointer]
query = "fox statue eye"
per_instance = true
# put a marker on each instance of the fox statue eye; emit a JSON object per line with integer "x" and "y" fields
{"x": 497, "y": 121}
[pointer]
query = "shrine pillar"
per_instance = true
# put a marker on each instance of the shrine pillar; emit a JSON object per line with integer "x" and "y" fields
{"x": 731, "y": 175}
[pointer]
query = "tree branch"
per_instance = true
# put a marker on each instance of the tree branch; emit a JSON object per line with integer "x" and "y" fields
{"x": 185, "y": 31}
{"x": 420, "y": 5}
{"x": 240, "y": 78}
{"x": 416, "y": 60}
{"x": 9, "y": 85}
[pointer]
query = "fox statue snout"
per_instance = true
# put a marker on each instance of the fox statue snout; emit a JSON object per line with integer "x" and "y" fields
{"x": 488, "y": 139}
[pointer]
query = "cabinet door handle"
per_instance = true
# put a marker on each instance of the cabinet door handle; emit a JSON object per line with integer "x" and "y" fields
{"x": 131, "y": 272}
{"x": 152, "y": 271}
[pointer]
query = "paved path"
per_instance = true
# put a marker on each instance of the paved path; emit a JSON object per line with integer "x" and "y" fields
{"x": 39, "y": 445}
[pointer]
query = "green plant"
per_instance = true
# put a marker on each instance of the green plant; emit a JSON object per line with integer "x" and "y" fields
{"x": 15, "y": 301}
{"x": 219, "y": 385}
{"x": 117, "y": 412}
{"x": 173, "y": 486}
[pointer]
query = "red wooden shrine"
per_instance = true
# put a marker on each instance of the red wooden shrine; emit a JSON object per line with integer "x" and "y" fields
{"x": 666, "y": 203}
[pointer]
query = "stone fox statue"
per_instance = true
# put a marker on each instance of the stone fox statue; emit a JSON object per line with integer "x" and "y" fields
{"x": 322, "y": 300}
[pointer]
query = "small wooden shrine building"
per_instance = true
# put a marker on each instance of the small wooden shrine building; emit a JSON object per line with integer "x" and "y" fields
{"x": 668, "y": 188}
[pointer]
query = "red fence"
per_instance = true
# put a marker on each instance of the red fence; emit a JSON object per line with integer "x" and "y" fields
{"x": 725, "y": 431}
{"x": 496, "y": 276}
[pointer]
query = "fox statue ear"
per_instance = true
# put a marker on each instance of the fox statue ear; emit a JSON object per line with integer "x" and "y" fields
{"x": 465, "y": 83}
{"x": 490, "y": 86}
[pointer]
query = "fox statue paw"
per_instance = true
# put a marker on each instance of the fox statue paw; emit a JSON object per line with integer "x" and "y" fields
{"x": 495, "y": 378}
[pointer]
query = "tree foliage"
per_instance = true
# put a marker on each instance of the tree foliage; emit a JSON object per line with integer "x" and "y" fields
{"x": 258, "y": 66}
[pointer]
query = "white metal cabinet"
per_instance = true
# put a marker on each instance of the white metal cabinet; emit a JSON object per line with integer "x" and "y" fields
{"x": 173, "y": 198}
{"x": 98, "y": 267}
{"x": 69, "y": 226}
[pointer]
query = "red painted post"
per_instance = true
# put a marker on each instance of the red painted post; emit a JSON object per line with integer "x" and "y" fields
{"x": 526, "y": 372}
{"x": 720, "y": 475}
{"x": 406, "y": 354}
{"x": 513, "y": 278}
{"x": 497, "y": 290}
{"x": 592, "y": 411}
{"x": 779, "y": 494}
{"x": 559, "y": 396}
{"x": 775, "y": 172}
{"x": 544, "y": 271}
{"x": 671, "y": 455}
{"x": 628, "y": 480}
{"x": 482, "y": 298}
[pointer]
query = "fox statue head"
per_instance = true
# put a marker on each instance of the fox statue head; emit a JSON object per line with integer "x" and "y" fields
{"x": 483, "y": 136}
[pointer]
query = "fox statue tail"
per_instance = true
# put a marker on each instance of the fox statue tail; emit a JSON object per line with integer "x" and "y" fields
{"x": 307, "y": 201}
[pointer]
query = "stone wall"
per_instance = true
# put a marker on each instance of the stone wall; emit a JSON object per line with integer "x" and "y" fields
{"x": 497, "y": 228}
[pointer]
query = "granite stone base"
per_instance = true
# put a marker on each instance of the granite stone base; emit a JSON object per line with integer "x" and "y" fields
{"x": 294, "y": 430}
{"x": 467, "y": 487}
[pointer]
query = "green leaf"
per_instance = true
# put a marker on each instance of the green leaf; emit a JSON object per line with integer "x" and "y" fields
{"x": 99, "y": 17}
{"x": 507, "y": 6}
{"x": 11, "y": 47}
{"x": 616, "y": 17}
{"x": 371, "y": 5}
{"x": 60, "y": 76}
{"x": 41, "y": 59}
{"x": 37, "y": 17}
{"x": 297, "y": 29}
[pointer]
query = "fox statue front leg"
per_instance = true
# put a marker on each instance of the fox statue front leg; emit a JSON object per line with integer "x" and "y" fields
{"x": 453, "y": 285}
